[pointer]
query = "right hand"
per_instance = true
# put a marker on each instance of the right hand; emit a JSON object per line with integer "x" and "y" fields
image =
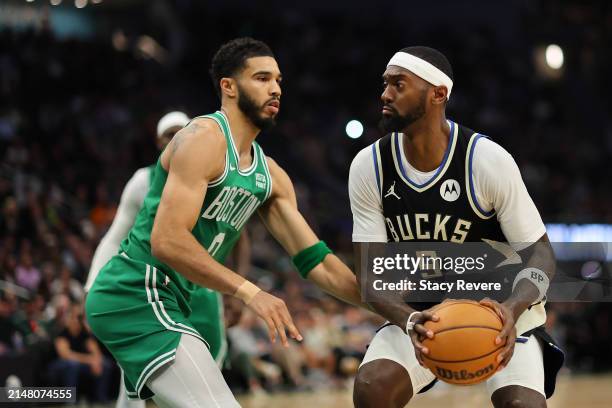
{"x": 274, "y": 312}
{"x": 420, "y": 333}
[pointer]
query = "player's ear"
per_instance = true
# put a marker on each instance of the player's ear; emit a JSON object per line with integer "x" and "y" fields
{"x": 228, "y": 87}
{"x": 439, "y": 95}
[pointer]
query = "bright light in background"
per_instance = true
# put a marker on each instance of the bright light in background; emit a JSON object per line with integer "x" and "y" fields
{"x": 354, "y": 129}
{"x": 55, "y": 2}
{"x": 80, "y": 3}
{"x": 554, "y": 56}
{"x": 29, "y": 1}
{"x": 96, "y": 1}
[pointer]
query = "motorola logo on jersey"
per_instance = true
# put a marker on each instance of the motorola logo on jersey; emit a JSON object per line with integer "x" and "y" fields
{"x": 419, "y": 226}
{"x": 450, "y": 190}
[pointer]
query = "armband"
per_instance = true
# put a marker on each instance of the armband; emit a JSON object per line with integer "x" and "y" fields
{"x": 308, "y": 258}
{"x": 535, "y": 276}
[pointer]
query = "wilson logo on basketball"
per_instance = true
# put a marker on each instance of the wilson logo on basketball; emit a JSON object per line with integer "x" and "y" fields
{"x": 463, "y": 375}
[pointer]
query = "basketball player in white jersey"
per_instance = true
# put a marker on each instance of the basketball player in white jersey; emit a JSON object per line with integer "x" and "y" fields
{"x": 431, "y": 179}
{"x": 131, "y": 201}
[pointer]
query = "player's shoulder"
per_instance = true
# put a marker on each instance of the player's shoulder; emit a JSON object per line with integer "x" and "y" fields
{"x": 201, "y": 136}
{"x": 364, "y": 159}
{"x": 203, "y": 129}
{"x": 142, "y": 172}
{"x": 273, "y": 166}
{"x": 276, "y": 171}
{"x": 489, "y": 151}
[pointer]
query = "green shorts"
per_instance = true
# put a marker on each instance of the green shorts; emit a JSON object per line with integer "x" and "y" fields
{"x": 139, "y": 315}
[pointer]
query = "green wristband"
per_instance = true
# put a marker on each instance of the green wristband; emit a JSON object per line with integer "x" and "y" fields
{"x": 310, "y": 257}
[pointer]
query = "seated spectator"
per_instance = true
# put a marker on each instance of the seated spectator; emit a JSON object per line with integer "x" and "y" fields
{"x": 8, "y": 331}
{"x": 80, "y": 358}
{"x": 31, "y": 322}
{"x": 65, "y": 284}
{"x": 26, "y": 274}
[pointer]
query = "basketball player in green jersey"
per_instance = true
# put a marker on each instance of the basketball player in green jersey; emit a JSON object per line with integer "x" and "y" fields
{"x": 208, "y": 303}
{"x": 207, "y": 183}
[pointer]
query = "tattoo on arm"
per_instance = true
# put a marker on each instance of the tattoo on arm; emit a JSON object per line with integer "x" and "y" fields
{"x": 178, "y": 139}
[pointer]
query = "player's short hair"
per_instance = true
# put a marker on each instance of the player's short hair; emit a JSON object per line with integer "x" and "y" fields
{"x": 433, "y": 56}
{"x": 231, "y": 57}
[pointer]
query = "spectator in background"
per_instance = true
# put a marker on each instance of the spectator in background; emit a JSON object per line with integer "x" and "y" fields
{"x": 26, "y": 274}
{"x": 7, "y": 327}
{"x": 79, "y": 358}
{"x": 247, "y": 351}
{"x": 65, "y": 284}
{"x": 32, "y": 324}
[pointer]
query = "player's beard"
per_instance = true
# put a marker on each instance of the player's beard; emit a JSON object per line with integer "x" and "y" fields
{"x": 396, "y": 122}
{"x": 249, "y": 107}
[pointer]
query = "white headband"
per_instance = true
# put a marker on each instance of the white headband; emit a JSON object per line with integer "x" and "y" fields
{"x": 422, "y": 69}
{"x": 171, "y": 119}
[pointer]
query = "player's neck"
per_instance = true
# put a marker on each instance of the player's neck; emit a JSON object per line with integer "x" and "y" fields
{"x": 243, "y": 130}
{"x": 425, "y": 143}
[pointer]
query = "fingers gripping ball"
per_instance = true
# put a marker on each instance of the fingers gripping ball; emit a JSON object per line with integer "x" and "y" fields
{"x": 463, "y": 350}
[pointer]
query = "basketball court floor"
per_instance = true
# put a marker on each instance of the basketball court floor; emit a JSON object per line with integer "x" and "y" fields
{"x": 582, "y": 391}
{"x": 572, "y": 392}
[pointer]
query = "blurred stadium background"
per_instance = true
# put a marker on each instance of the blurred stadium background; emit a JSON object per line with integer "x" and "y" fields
{"x": 83, "y": 83}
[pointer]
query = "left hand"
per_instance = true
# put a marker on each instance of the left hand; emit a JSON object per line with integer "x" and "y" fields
{"x": 507, "y": 334}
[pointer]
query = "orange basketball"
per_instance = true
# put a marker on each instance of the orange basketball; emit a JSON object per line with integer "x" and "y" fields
{"x": 463, "y": 350}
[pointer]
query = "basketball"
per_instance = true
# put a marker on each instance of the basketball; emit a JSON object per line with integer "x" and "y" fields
{"x": 463, "y": 350}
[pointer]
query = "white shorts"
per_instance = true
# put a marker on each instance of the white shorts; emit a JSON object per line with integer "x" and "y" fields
{"x": 526, "y": 368}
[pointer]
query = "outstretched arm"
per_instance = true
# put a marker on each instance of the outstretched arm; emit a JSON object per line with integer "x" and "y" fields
{"x": 281, "y": 216}
{"x": 196, "y": 156}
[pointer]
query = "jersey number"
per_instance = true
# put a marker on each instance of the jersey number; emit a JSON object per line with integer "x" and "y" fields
{"x": 216, "y": 243}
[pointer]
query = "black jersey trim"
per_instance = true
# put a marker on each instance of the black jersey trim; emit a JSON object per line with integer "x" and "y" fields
{"x": 470, "y": 182}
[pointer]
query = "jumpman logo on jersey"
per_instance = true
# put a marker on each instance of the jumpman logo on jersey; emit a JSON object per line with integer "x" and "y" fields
{"x": 391, "y": 191}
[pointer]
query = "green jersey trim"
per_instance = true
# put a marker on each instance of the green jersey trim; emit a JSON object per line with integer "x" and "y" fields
{"x": 265, "y": 163}
{"x": 222, "y": 177}
{"x": 248, "y": 171}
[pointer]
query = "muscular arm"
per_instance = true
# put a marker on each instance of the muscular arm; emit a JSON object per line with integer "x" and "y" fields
{"x": 281, "y": 216}
{"x": 193, "y": 158}
{"x": 241, "y": 253}
{"x": 540, "y": 255}
{"x": 369, "y": 232}
{"x": 499, "y": 186}
{"x": 390, "y": 304}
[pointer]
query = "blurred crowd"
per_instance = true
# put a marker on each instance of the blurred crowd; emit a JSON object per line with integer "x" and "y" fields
{"x": 77, "y": 117}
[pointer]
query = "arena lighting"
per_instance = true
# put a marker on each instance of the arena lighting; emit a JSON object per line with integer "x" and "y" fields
{"x": 80, "y": 3}
{"x": 354, "y": 129}
{"x": 554, "y": 56}
{"x": 55, "y": 2}
{"x": 579, "y": 232}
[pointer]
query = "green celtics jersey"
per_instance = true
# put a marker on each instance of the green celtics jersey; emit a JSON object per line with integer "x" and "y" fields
{"x": 230, "y": 201}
